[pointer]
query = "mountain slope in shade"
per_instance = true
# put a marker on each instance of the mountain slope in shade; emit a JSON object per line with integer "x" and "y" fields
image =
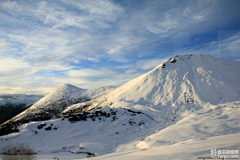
{"x": 13, "y": 104}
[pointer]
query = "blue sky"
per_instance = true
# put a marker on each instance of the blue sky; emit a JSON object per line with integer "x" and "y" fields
{"x": 44, "y": 44}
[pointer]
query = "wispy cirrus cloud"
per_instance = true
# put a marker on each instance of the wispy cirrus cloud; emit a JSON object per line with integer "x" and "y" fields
{"x": 12, "y": 67}
{"x": 9, "y": 4}
{"x": 93, "y": 13}
{"x": 142, "y": 66}
{"x": 224, "y": 48}
{"x": 53, "y": 42}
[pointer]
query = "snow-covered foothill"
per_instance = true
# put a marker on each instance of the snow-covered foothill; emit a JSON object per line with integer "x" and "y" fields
{"x": 51, "y": 105}
{"x": 55, "y": 102}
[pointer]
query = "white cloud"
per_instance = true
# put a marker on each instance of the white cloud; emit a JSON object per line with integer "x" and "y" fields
{"x": 3, "y": 45}
{"x": 115, "y": 49}
{"x": 96, "y": 14}
{"x": 87, "y": 81}
{"x": 226, "y": 48}
{"x": 90, "y": 73}
{"x": 102, "y": 7}
{"x": 12, "y": 67}
{"x": 150, "y": 63}
{"x": 9, "y": 4}
{"x": 51, "y": 36}
{"x": 39, "y": 89}
{"x": 142, "y": 65}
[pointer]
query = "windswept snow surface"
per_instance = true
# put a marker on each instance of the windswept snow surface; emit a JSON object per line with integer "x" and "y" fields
{"x": 189, "y": 104}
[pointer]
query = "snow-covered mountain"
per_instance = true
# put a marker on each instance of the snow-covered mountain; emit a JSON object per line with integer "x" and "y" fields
{"x": 55, "y": 102}
{"x": 188, "y": 98}
{"x": 189, "y": 79}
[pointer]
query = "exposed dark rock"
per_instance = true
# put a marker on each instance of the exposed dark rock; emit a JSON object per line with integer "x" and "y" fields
{"x": 164, "y": 65}
{"x": 172, "y": 60}
{"x": 48, "y": 128}
{"x": 40, "y": 126}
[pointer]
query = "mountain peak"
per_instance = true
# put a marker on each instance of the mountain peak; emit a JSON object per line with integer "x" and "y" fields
{"x": 189, "y": 60}
{"x": 67, "y": 89}
{"x": 184, "y": 79}
{"x": 68, "y": 86}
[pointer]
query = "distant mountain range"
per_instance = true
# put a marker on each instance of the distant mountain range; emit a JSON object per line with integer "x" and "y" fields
{"x": 13, "y": 104}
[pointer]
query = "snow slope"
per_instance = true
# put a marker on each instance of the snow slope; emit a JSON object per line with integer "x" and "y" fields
{"x": 194, "y": 135}
{"x": 189, "y": 150}
{"x": 215, "y": 126}
{"x": 95, "y": 132}
{"x": 190, "y": 101}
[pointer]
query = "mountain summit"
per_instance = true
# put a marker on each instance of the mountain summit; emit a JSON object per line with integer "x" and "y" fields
{"x": 69, "y": 88}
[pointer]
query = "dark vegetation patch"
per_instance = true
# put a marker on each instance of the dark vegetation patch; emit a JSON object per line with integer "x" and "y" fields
{"x": 110, "y": 114}
{"x": 18, "y": 149}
